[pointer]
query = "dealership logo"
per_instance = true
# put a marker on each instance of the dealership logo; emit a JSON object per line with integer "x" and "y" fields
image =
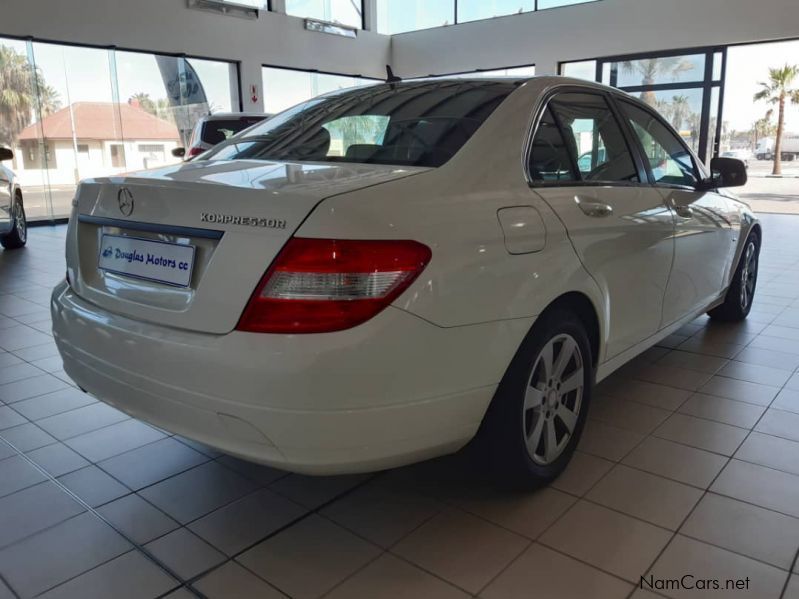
{"x": 125, "y": 201}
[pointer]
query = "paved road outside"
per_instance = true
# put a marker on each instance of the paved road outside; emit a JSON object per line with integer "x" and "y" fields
{"x": 769, "y": 194}
{"x": 37, "y": 201}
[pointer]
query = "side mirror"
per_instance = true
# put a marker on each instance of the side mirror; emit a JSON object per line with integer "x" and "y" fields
{"x": 726, "y": 172}
{"x": 6, "y": 154}
{"x": 179, "y": 152}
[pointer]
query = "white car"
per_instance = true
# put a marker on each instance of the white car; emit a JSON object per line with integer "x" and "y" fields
{"x": 13, "y": 226}
{"x": 380, "y": 275}
{"x": 742, "y": 155}
{"x": 216, "y": 128}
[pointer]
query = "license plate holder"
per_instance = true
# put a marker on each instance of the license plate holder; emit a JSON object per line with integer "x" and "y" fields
{"x": 147, "y": 259}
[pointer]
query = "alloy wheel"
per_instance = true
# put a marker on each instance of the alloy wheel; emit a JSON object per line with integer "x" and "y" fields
{"x": 748, "y": 274}
{"x": 553, "y": 399}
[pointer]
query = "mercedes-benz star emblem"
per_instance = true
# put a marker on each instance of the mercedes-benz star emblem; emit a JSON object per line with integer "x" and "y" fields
{"x": 125, "y": 199}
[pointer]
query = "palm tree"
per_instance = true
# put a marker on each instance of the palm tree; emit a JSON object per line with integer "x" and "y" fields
{"x": 653, "y": 69}
{"x": 19, "y": 100}
{"x": 680, "y": 109}
{"x": 16, "y": 98}
{"x": 777, "y": 90}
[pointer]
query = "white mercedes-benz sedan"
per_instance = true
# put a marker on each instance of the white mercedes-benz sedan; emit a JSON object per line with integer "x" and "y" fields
{"x": 380, "y": 275}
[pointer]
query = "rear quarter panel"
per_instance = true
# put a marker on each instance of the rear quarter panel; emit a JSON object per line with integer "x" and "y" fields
{"x": 472, "y": 278}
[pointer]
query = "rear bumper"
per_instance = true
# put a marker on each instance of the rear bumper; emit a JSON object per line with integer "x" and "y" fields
{"x": 391, "y": 391}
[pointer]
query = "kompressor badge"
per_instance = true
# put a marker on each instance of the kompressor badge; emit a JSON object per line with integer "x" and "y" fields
{"x": 244, "y": 221}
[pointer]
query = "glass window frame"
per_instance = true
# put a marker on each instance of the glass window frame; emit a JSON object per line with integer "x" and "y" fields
{"x": 715, "y": 75}
{"x": 360, "y": 27}
{"x": 457, "y": 21}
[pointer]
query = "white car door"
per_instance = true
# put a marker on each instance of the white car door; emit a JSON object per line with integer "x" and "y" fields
{"x": 705, "y": 238}
{"x": 582, "y": 166}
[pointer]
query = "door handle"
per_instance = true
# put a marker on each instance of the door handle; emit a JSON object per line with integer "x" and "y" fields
{"x": 595, "y": 209}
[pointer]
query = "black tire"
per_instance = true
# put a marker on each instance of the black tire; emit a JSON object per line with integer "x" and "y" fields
{"x": 741, "y": 293}
{"x": 502, "y": 439}
{"x": 18, "y": 235}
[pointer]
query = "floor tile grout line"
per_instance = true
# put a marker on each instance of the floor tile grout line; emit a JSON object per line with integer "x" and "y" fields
{"x": 704, "y": 494}
{"x": 793, "y": 568}
{"x": 307, "y": 514}
{"x": 95, "y": 513}
{"x": 674, "y": 533}
{"x": 388, "y": 550}
{"x": 3, "y": 581}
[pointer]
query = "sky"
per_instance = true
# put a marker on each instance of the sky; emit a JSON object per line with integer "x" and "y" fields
{"x": 746, "y": 66}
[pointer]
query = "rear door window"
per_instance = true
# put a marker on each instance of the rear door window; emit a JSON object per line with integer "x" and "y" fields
{"x": 549, "y": 156}
{"x": 594, "y": 138}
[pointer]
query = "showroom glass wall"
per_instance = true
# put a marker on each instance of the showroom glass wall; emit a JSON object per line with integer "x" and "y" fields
{"x": 72, "y": 112}
{"x": 400, "y": 16}
{"x": 524, "y": 71}
{"x": 685, "y": 86}
{"x": 284, "y": 87}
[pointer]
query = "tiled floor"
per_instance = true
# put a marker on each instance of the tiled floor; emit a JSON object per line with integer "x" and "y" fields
{"x": 689, "y": 465}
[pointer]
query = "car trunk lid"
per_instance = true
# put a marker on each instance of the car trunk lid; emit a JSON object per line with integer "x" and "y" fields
{"x": 227, "y": 220}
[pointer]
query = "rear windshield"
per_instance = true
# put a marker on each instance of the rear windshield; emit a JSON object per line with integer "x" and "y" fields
{"x": 407, "y": 124}
{"x": 217, "y": 131}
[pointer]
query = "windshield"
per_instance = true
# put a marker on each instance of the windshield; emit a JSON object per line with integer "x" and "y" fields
{"x": 406, "y": 124}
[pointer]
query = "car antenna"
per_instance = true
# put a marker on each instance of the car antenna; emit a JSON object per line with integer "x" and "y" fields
{"x": 390, "y": 76}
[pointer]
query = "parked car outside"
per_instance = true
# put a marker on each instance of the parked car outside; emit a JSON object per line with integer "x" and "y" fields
{"x": 742, "y": 155}
{"x": 216, "y": 128}
{"x": 13, "y": 226}
{"x": 382, "y": 275}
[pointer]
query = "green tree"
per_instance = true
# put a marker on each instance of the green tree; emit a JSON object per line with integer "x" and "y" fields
{"x": 778, "y": 90}
{"x": 19, "y": 100}
{"x": 144, "y": 101}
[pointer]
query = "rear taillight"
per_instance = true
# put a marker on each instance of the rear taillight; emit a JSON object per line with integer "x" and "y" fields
{"x": 323, "y": 285}
{"x": 195, "y": 152}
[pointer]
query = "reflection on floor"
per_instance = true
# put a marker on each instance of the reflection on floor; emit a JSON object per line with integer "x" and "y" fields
{"x": 689, "y": 465}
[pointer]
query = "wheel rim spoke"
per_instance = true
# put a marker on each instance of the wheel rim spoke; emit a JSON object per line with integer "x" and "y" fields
{"x": 533, "y": 399}
{"x": 567, "y": 417}
{"x": 573, "y": 382}
{"x": 534, "y": 438}
{"x": 567, "y": 349}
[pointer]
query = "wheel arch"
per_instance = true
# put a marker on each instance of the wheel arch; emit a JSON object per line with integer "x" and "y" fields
{"x": 582, "y": 306}
{"x": 755, "y": 228}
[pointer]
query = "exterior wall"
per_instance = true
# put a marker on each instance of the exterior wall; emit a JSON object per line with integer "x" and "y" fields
{"x": 98, "y": 163}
